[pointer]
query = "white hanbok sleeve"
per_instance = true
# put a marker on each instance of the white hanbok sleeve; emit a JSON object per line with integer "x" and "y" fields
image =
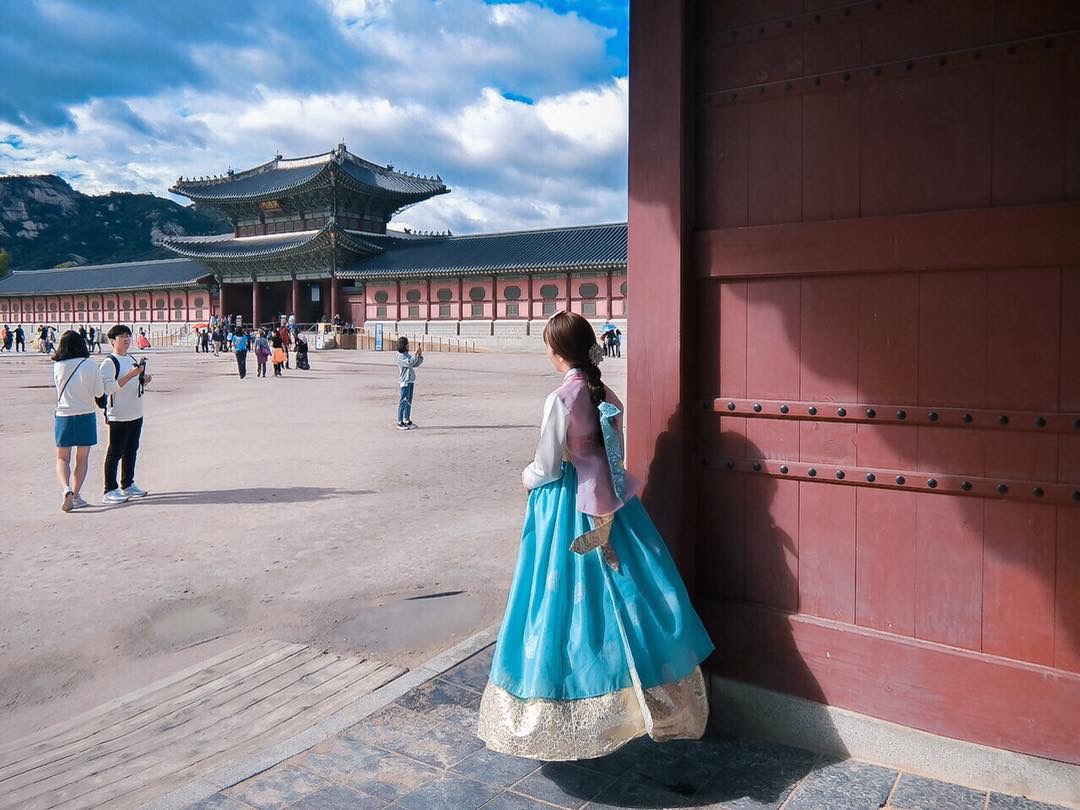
{"x": 547, "y": 464}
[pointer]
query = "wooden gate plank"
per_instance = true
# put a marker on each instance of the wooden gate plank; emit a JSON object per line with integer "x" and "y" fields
{"x": 885, "y": 560}
{"x": 1067, "y": 599}
{"x": 827, "y": 551}
{"x": 1018, "y": 577}
{"x": 948, "y": 570}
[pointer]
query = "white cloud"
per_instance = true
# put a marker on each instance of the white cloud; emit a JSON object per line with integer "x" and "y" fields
{"x": 431, "y": 102}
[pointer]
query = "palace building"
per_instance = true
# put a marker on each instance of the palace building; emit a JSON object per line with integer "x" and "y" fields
{"x": 311, "y": 238}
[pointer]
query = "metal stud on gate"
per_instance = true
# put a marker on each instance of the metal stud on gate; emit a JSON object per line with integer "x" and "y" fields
{"x": 900, "y": 480}
{"x": 784, "y": 409}
{"x": 1002, "y": 489}
{"x": 811, "y": 472}
{"x": 841, "y": 411}
{"x": 932, "y": 483}
{"x": 871, "y": 477}
{"x": 966, "y": 486}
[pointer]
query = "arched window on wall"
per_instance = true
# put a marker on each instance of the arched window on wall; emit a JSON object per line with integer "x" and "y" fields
{"x": 512, "y": 294}
{"x": 413, "y": 297}
{"x": 549, "y": 292}
{"x": 445, "y": 295}
{"x": 144, "y": 309}
{"x": 476, "y": 295}
{"x": 199, "y": 303}
{"x": 159, "y": 305}
{"x": 178, "y": 309}
{"x": 588, "y": 295}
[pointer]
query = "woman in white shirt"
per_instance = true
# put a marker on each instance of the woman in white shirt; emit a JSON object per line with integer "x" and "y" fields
{"x": 78, "y": 382}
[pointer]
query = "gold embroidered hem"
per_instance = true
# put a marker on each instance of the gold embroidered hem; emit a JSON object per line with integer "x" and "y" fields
{"x": 552, "y": 730}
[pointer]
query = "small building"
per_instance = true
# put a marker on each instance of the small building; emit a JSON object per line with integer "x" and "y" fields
{"x": 311, "y": 239}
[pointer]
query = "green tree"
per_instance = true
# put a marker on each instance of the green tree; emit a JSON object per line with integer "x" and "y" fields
{"x": 66, "y": 265}
{"x": 5, "y": 263}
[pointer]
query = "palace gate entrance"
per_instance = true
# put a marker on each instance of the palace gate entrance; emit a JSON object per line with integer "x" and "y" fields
{"x": 855, "y": 254}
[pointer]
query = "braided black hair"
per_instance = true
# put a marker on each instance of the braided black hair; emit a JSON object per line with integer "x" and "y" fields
{"x": 572, "y": 337}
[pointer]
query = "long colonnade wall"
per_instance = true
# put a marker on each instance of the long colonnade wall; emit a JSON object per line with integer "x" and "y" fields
{"x": 126, "y": 306}
{"x": 501, "y": 297}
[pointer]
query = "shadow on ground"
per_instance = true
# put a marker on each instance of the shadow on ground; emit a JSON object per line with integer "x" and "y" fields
{"x": 253, "y": 495}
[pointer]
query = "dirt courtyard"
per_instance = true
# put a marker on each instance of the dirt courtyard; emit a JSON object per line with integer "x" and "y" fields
{"x": 288, "y": 508}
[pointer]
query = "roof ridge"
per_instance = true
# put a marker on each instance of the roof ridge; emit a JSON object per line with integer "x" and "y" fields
{"x": 535, "y": 230}
{"x": 96, "y": 266}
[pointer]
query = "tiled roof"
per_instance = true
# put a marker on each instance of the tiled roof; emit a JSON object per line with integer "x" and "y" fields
{"x": 104, "y": 277}
{"x": 588, "y": 246}
{"x": 290, "y": 174}
{"x": 239, "y": 248}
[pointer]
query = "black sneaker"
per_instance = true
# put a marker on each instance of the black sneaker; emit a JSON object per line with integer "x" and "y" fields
{"x": 410, "y": 426}
{"x": 401, "y": 426}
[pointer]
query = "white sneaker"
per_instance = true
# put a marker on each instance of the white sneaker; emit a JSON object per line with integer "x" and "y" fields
{"x": 134, "y": 491}
{"x": 78, "y": 502}
{"x": 69, "y": 499}
{"x": 115, "y": 496}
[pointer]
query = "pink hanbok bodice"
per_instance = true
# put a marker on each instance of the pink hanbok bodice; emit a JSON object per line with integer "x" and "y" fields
{"x": 585, "y": 447}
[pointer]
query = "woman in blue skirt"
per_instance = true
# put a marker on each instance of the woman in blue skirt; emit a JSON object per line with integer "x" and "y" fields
{"x": 599, "y": 643}
{"x": 78, "y": 381}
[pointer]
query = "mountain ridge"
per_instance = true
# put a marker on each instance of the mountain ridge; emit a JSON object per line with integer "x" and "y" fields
{"x": 44, "y": 222}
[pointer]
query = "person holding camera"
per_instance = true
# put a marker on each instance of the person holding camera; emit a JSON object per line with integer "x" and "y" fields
{"x": 123, "y": 379}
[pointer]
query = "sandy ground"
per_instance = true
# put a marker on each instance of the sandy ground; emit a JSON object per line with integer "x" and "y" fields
{"x": 281, "y": 508}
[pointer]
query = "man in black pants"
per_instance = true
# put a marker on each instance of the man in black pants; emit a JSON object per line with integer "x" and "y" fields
{"x": 124, "y": 380}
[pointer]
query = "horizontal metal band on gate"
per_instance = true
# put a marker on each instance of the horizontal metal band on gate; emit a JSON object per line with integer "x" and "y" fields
{"x": 977, "y": 486}
{"x": 920, "y": 415}
{"x": 958, "y": 58}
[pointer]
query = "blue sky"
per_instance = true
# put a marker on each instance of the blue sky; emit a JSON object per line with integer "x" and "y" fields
{"x": 520, "y": 106}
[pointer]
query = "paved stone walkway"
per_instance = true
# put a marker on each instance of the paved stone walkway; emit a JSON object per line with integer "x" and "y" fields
{"x": 419, "y": 753}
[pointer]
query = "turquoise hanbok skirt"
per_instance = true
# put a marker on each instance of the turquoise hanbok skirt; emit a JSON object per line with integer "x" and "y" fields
{"x": 595, "y": 648}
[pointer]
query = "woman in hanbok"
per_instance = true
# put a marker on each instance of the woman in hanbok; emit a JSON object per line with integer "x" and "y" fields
{"x": 599, "y": 643}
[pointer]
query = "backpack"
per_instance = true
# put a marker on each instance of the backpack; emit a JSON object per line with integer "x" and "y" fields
{"x": 103, "y": 400}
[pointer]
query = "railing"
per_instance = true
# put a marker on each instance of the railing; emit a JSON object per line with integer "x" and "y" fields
{"x": 430, "y": 343}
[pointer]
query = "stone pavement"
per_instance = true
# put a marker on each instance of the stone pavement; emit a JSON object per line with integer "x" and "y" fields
{"x": 420, "y": 753}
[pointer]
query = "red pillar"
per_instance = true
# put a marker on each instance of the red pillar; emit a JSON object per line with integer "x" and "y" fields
{"x": 529, "y": 295}
{"x": 494, "y": 298}
{"x": 660, "y": 263}
{"x": 335, "y": 296}
{"x": 569, "y": 293}
{"x": 296, "y": 298}
{"x": 610, "y": 306}
{"x": 460, "y": 298}
{"x": 397, "y": 301}
{"x": 255, "y": 314}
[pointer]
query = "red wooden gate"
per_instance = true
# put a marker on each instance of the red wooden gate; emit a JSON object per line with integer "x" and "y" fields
{"x": 860, "y": 223}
